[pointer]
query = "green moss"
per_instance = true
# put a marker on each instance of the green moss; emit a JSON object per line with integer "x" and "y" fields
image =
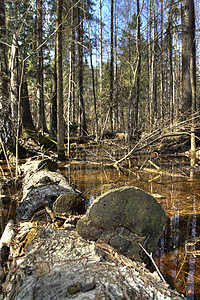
{"x": 75, "y": 288}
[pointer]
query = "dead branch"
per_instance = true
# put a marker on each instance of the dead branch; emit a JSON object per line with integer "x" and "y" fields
{"x": 135, "y": 149}
{"x": 151, "y": 258}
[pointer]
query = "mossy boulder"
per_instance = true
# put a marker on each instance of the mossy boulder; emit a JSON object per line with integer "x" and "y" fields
{"x": 124, "y": 217}
{"x": 69, "y": 204}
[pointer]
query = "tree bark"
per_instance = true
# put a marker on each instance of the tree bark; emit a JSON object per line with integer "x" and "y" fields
{"x": 83, "y": 125}
{"x": 186, "y": 50}
{"x": 111, "y": 64}
{"x": 139, "y": 65}
{"x": 39, "y": 69}
{"x": 100, "y": 63}
{"x": 14, "y": 84}
{"x": 170, "y": 45}
{"x": 193, "y": 80}
{"x": 6, "y": 128}
{"x": 25, "y": 115}
{"x": 60, "y": 117}
{"x": 53, "y": 126}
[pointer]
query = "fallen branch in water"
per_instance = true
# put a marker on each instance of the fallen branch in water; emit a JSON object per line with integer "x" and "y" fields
{"x": 151, "y": 258}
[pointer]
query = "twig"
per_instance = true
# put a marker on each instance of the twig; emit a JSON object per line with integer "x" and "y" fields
{"x": 151, "y": 258}
{"x": 154, "y": 165}
{"x": 179, "y": 271}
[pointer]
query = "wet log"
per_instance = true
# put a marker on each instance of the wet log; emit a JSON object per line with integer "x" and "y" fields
{"x": 42, "y": 185}
{"x": 60, "y": 264}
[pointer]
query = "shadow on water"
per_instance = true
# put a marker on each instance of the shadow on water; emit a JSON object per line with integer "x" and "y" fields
{"x": 178, "y": 252}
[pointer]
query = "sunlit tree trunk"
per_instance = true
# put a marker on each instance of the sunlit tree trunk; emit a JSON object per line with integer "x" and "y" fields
{"x": 116, "y": 85}
{"x": 150, "y": 68}
{"x": 189, "y": 67}
{"x": 60, "y": 118}
{"x": 6, "y": 129}
{"x": 186, "y": 51}
{"x": 14, "y": 84}
{"x": 53, "y": 125}
{"x": 193, "y": 79}
{"x": 139, "y": 65}
{"x": 39, "y": 68}
{"x": 83, "y": 129}
{"x": 93, "y": 86}
{"x": 73, "y": 65}
{"x": 161, "y": 68}
{"x": 170, "y": 48}
{"x": 100, "y": 61}
{"x": 111, "y": 65}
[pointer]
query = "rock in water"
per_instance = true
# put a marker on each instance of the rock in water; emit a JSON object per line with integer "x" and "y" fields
{"x": 123, "y": 218}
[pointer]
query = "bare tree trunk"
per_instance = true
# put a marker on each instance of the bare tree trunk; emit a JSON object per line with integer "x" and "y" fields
{"x": 161, "y": 69}
{"x": 139, "y": 65}
{"x": 60, "y": 118}
{"x": 93, "y": 85}
{"x": 73, "y": 67}
{"x": 186, "y": 50}
{"x": 53, "y": 125}
{"x": 111, "y": 65}
{"x": 149, "y": 70}
{"x": 193, "y": 79}
{"x": 83, "y": 129}
{"x": 39, "y": 69}
{"x": 14, "y": 84}
{"x": 25, "y": 112}
{"x": 6, "y": 129}
{"x": 170, "y": 45}
{"x": 100, "y": 62}
{"x": 116, "y": 94}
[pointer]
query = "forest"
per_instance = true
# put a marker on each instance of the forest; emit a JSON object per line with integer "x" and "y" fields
{"x": 84, "y": 86}
{"x": 81, "y": 68}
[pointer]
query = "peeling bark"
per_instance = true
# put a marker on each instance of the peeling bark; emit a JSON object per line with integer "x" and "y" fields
{"x": 59, "y": 264}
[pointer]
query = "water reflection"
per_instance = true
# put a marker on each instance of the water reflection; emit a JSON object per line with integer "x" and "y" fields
{"x": 180, "y": 198}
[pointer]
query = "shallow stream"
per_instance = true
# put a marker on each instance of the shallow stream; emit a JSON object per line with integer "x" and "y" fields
{"x": 178, "y": 252}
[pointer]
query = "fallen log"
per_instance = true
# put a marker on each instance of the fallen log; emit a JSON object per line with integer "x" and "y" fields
{"x": 42, "y": 185}
{"x": 59, "y": 264}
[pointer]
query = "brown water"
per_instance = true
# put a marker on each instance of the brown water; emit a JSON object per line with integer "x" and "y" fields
{"x": 179, "y": 197}
{"x": 177, "y": 256}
